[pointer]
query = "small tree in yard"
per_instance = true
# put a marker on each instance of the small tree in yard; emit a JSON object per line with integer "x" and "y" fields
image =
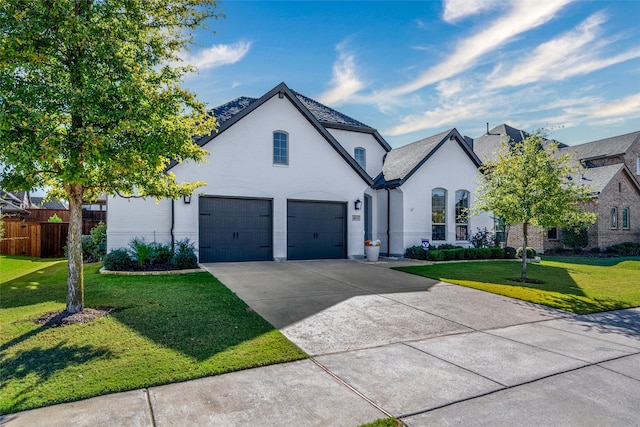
{"x": 530, "y": 185}
{"x": 91, "y": 103}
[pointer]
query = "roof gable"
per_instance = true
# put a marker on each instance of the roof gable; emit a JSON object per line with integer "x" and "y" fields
{"x": 321, "y": 116}
{"x": 402, "y": 162}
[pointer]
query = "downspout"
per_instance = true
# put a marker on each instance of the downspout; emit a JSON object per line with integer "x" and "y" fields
{"x": 388, "y": 221}
{"x": 173, "y": 221}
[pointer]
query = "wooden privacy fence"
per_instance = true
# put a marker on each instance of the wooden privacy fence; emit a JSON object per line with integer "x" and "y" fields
{"x": 34, "y": 239}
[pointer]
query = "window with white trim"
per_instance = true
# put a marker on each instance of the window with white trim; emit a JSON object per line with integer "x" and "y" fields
{"x": 360, "y": 154}
{"x": 625, "y": 218}
{"x": 614, "y": 217}
{"x": 439, "y": 214}
{"x": 462, "y": 215}
{"x": 280, "y": 148}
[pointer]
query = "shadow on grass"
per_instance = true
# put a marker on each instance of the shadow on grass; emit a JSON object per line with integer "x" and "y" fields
{"x": 43, "y": 363}
{"x": 598, "y": 261}
{"x": 45, "y": 285}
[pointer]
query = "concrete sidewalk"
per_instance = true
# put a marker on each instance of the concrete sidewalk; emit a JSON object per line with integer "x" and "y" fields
{"x": 388, "y": 343}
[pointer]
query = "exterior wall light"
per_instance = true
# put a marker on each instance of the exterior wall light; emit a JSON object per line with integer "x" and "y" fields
{"x": 357, "y": 204}
{"x": 186, "y": 199}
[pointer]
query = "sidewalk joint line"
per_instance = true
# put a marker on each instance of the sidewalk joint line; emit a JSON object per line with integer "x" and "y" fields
{"x": 350, "y": 387}
{"x": 153, "y": 416}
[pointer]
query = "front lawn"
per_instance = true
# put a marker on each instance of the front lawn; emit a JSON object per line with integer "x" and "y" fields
{"x": 165, "y": 329}
{"x": 578, "y": 285}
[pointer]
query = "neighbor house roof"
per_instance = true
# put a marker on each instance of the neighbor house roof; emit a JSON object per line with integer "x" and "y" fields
{"x": 616, "y": 145}
{"x": 488, "y": 145}
{"x": 402, "y": 162}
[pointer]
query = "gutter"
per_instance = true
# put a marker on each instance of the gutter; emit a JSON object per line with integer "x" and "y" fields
{"x": 173, "y": 223}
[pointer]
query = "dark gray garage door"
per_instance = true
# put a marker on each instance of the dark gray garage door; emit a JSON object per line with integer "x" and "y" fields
{"x": 233, "y": 229}
{"x": 316, "y": 230}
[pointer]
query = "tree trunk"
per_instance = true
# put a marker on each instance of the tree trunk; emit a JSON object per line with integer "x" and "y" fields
{"x": 75, "y": 279}
{"x": 525, "y": 227}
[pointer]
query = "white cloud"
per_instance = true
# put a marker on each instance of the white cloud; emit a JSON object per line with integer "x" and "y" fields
{"x": 218, "y": 55}
{"x": 345, "y": 82}
{"x": 455, "y": 10}
{"x": 523, "y": 16}
{"x": 573, "y": 53}
{"x": 617, "y": 108}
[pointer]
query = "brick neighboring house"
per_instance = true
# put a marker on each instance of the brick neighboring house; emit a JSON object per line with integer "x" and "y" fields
{"x": 613, "y": 173}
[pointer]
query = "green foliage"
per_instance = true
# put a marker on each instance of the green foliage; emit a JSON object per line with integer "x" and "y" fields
{"x": 575, "y": 238}
{"x": 54, "y": 218}
{"x": 625, "y": 249}
{"x": 531, "y": 253}
{"x": 90, "y": 88}
{"x": 159, "y": 253}
{"x": 185, "y": 256}
{"x": 483, "y": 238}
{"x": 529, "y": 184}
{"x": 510, "y": 252}
{"x": 118, "y": 260}
{"x": 416, "y": 252}
{"x": 140, "y": 251}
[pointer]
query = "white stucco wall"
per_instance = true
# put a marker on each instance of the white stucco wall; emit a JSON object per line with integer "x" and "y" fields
{"x": 449, "y": 168}
{"x": 240, "y": 164}
{"x": 374, "y": 151}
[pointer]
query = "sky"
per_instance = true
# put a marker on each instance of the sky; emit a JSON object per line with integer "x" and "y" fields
{"x": 412, "y": 69}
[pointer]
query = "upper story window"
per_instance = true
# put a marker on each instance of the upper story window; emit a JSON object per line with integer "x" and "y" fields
{"x": 462, "y": 215}
{"x": 360, "y": 154}
{"x": 280, "y": 148}
{"x": 638, "y": 166}
{"x": 614, "y": 218}
{"x": 439, "y": 214}
{"x": 625, "y": 218}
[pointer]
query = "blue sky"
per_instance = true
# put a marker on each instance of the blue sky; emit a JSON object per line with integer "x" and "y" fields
{"x": 413, "y": 69}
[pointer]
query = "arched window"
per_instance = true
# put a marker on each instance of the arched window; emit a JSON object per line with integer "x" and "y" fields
{"x": 360, "y": 154}
{"x": 439, "y": 214}
{"x": 462, "y": 215}
{"x": 280, "y": 148}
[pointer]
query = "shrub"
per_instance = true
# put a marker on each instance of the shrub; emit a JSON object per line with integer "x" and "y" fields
{"x": 184, "y": 260}
{"x": 625, "y": 249}
{"x": 140, "y": 251}
{"x": 99, "y": 237}
{"x": 483, "y": 238}
{"x": 575, "y": 238}
{"x": 54, "y": 218}
{"x": 185, "y": 256}
{"x": 118, "y": 260}
{"x": 509, "y": 252}
{"x": 531, "y": 253}
{"x": 448, "y": 246}
{"x": 159, "y": 253}
{"x": 415, "y": 252}
{"x": 595, "y": 250}
{"x": 89, "y": 250}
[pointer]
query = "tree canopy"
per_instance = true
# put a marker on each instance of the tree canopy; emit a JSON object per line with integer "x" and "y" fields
{"x": 91, "y": 102}
{"x": 529, "y": 183}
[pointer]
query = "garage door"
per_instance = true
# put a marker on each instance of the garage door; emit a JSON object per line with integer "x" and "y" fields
{"x": 233, "y": 229}
{"x": 316, "y": 230}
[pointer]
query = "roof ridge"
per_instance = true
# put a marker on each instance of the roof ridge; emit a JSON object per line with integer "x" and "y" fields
{"x": 358, "y": 123}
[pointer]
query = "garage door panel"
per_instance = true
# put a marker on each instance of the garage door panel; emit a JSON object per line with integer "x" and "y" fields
{"x": 235, "y": 229}
{"x": 316, "y": 230}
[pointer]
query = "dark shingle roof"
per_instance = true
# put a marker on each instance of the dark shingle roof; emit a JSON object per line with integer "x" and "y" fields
{"x": 604, "y": 147}
{"x": 597, "y": 178}
{"x": 327, "y": 115}
{"x": 322, "y": 113}
{"x": 488, "y": 145}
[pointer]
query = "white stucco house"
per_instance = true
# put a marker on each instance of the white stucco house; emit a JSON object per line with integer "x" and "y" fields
{"x": 289, "y": 178}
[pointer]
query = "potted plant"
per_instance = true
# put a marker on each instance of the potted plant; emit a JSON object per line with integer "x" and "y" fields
{"x": 372, "y": 249}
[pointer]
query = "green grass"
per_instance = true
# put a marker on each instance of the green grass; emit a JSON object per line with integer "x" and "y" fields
{"x": 166, "y": 329}
{"x": 384, "y": 422}
{"x": 578, "y": 285}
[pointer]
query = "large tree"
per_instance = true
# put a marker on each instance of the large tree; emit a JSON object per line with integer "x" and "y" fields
{"x": 91, "y": 103}
{"x": 529, "y": 183}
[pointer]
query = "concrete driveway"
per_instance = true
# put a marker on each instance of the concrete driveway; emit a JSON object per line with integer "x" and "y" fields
{"x": 386, "y": 343}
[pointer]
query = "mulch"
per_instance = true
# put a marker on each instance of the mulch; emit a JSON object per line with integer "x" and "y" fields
{"x": 64, "y": 318}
